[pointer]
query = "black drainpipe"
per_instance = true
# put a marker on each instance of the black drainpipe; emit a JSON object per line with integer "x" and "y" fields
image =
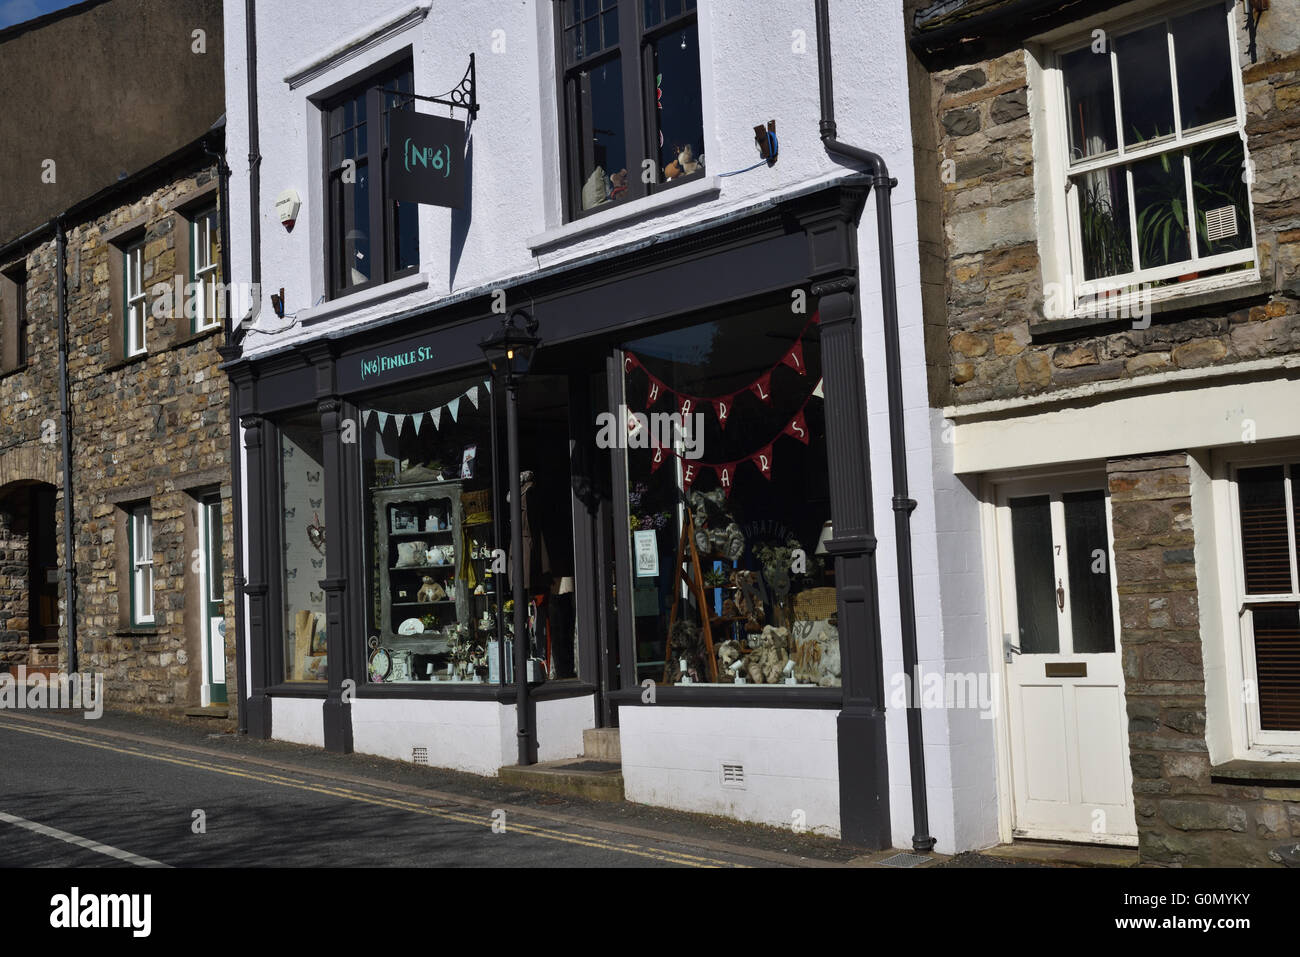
{"x": 229, "y": 352}
{"x": 883, "y": 185}
{"x": 254, "y": 162}
{"x": 65, "y": 411}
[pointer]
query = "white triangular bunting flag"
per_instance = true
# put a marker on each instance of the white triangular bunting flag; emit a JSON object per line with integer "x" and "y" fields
{"x": 416, "y": 419}
{"x": 436, "y": 415}
{"x": 453, "y": 406}
{"x": 365, "y": 417}
{"x": 472, "y": 395}
{"x": 818, "y": 391}
{"x": 487, "y": 384}
{"x": 400, "y": 419}
{"x": 383, "y": 420}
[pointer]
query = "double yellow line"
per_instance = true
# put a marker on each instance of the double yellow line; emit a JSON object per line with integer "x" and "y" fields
{"x": 347, "y": 794}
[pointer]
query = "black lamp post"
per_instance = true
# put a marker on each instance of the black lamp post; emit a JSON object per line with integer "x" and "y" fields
{"x": 509, "y": 353}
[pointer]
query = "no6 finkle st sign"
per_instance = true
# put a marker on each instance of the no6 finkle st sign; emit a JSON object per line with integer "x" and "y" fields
{"x": 426, "y": 159}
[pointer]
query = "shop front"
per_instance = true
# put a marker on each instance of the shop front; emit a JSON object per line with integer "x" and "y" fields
{"x": 696, "y": 550}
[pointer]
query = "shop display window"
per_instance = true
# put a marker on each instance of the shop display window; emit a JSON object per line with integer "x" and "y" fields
{"x": 436, "y": 574}
{"x": 302, "y": 503}
{"x": 729, "y": 503}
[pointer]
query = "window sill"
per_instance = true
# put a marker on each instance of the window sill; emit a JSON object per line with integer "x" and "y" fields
{"x": 364, "y": 298}
{"x": 128, "y": 361}
{"x": 5, "y": 373}
{"x": 1246, "y": 770}
{"x": 705, "y": 188}
{"x": 1197, "y": 294}
{"x": 136, "y": 631}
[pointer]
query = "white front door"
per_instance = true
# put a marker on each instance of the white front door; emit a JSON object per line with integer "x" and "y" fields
{"x": 1068, "y": 725}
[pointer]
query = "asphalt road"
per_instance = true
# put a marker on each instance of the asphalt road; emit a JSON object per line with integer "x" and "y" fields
{"x": 82, "y": 795}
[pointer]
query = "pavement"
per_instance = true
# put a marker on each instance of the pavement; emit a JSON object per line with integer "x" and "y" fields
{"x": 130, "y": 790}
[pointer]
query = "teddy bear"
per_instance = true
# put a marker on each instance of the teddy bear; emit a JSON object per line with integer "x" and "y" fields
{"x": 816, "y": 653}
{"x": 430, "y": 591}
{"x": 767, "y": 666}
{"x": 618, "y": 184}
{"x": 729, "y": 652}
{"x": 748, "y": 599}
{"x": 683, "y": 165}
{"x": 686, "y": 644}
{"x": 716, "y": 531}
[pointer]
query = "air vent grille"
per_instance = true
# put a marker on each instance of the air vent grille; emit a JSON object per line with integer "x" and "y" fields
{"x": 733, "y": 775}
{"x": 420, "y": 755}
{"x": 1221, "y": 223}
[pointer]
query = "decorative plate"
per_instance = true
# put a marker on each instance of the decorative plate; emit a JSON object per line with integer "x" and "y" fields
{"x": 412, "y": 626}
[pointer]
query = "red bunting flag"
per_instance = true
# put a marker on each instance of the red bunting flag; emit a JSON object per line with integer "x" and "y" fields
{"x": 762, "y": 460}
{"x": 630, "y": 362}
{"x": 797, "y": 428}
{"x": 794, "y": 358}
{"x": 762, "y": 387}
{"x": 690, "y": 472}
{"x": 722, "y": 407}
{"x": 726, "y": 477}
{"x": 656, "y": 460}
{"x": 653, "y": 391}
{"x": 686, "y": 408}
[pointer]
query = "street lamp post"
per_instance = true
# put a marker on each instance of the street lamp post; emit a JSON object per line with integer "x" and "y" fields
{"x": 509, "y": 352}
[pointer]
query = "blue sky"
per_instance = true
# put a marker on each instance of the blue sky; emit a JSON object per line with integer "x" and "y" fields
{"x": 16, "y": 11}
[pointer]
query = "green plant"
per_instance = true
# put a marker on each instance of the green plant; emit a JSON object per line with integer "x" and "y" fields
{"x": 1107, "y": 250}
{"x": 1162, "y": 201}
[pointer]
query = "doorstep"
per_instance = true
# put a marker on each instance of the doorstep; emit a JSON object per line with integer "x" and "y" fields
{"x": 218, "y": 711}
{"x": 1063, "y": 854}
{"x": 584, "y": 777}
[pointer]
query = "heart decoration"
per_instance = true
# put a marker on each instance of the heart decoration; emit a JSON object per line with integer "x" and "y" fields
{"x": 316, "y": 534}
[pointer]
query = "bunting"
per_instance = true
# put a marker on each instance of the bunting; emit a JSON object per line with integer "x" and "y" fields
{"x": 760, "y": 388}
{"x": 434, "y": 415}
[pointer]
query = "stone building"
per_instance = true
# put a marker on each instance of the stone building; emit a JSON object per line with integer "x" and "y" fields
{"x": 143, "y": 424}
{"x": 1109, "y": 215}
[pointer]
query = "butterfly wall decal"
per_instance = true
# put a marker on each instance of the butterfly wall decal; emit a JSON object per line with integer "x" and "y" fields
{"x": 315, "y": 502}
{"x": 314, "y": 476}
{"x": 290, "y": 574}
{"x": 290, "y": 512}
{"x": 318, "y": 597}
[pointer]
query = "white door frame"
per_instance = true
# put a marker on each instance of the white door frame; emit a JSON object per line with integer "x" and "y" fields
{"x": 991, "y": 487}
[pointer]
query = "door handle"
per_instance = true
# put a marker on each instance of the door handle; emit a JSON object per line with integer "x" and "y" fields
{"x": 1060, "y": 596}
{"x": 1008, "y": 649}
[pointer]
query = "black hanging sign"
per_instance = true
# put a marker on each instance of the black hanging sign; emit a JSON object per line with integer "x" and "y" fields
{"x": 426, "y": 159}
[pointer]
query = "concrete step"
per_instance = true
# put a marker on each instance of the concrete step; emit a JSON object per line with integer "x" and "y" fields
{"x": 601, "y": 744}
{"x": 1064, "y": 854}
{"x": 211, "y": 711}
{"x": 581, "y": 777}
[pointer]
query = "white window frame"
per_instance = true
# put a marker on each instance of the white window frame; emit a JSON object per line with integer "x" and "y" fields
{"x": 1254, "y": 737}
{"x": 136, "y": 313}
{"x": 1058, "y": 200}
{"x": 142, "y": 610}
{"x": 204, "y": 273}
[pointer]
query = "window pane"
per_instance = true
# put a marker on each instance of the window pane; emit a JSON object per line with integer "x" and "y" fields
{"x": 651, "y": 16}
{"x": 1031, "y": 543}
{"x": 1160, "y": 192}
{"x": 1264, "y": 542}
{"x": 304, "y": 543}
{"x": 356, "y": 266}
{"x": 1145, "y": 95}
{"x": 761, "y": 614}
{"x": 680, "y": 114}
{"x": 406, "y": 236}
{"x": 1089, "y": 103}
{"x": 1087, "y": 549}
{"x": 1277, "y": 666}
{"x": 1222, "y": 199}
{"x": 1104, "y": 224}
{"x": 602, "y": 159}
{"x": 1204, "y": 62}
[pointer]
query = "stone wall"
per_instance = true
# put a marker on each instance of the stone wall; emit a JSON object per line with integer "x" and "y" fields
{"x": 995, "y": 289}
{"x": 13, "y": 581}
{"x": 1185, "y": 817}
{"x": 155, "y": 427}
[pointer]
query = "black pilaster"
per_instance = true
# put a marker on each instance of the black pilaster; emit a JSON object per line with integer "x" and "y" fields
{"x": 259, "y": 705}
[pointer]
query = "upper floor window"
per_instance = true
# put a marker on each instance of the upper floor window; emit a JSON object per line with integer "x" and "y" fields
{"x": 204, "y": 270}
{"x": 13, "y": 319}
{"x": 630, "y": 93}
{"x": 133, "y": 295}
{"x": 1268, "y": 606}
{"x": 1149, "y": 132}
{"x": 371, "y": 238}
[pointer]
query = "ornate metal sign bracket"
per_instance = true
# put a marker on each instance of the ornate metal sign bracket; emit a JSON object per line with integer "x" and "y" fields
{"x": 462, "y": 95}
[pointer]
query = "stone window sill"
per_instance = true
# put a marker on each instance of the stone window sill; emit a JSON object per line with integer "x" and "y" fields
{"x": 366, "y": 297}
{"x": 1245, "y": 770}
{"x": 136, "y": 631}
{"x": 5, "y": 373}
{"x": 705, "y": 188}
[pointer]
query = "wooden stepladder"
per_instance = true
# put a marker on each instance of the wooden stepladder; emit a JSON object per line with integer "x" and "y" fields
{"x": 688, "y": 569}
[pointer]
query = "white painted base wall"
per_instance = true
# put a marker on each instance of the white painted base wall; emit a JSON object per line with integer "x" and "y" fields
{"x": 672, "y": 757}
{"x": 474, "y": 736}
{"x": 300, "y": 720}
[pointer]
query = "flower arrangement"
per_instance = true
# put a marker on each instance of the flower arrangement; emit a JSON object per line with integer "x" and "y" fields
{"x": 649, "y": 520}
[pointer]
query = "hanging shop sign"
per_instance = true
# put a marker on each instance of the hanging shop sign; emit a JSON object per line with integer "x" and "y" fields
{"x": 426, "y": 159}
